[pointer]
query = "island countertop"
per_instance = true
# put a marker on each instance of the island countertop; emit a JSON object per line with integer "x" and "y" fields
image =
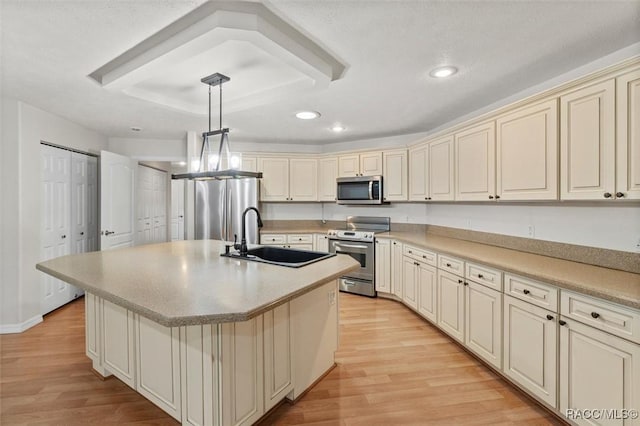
{"x": 189, "y": 283}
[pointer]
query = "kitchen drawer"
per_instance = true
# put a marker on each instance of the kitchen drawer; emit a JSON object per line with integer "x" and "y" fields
{"x": 535, "y": 292}
{"x": 451, "y": 264}
{"x": 273, "y": 239}
{"x": 484, "y": 275}
{"x": 606, "y": 316}
{"x": 420, "y": 255}
{"x": 300, "y": 246}
{"x": 300, "y": 238}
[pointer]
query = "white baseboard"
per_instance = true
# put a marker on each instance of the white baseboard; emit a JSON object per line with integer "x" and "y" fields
{"x": 19, "y": 328}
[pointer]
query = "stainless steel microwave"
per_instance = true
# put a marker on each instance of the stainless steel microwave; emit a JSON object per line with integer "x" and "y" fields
{"x": 359, "y": 190}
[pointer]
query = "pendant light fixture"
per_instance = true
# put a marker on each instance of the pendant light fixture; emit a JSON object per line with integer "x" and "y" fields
{"x": 210, "y": 161}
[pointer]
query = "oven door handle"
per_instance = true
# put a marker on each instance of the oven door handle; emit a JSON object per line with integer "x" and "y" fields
{"x": 347, "y": 282}
{"x": 371, "y": 190}
{"x": 350, "y": 246}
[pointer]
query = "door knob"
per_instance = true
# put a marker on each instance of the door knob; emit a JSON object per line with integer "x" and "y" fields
{"x": 63, "y": 237}
{"x": 82, "y": 233}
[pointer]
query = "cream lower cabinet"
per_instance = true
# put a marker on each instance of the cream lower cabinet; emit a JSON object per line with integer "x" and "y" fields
{"x": 427, "y": 291}
{"x": 118, "y": 342}
{"x": 530, "y": 348}
{"x": 92, "y": 334}
{"x": 158, "y": 365}
{"x": 321, "y": 242}
{"x": 396, "y": 268}
{"x": 410, "y": 274}
{"x": 382, "y": 279}
{"x": 598, "y": 370}
{"x": 278, "y": 367}
{"x": 241, "y": 367}
{"x": 198, "y": 359}
{"x": 451, "y": 304}
{"x": 483, "y": 322}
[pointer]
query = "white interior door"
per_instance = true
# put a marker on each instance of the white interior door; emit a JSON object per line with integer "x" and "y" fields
{"x": 159, "y": 206}
{"x": 117, "y": 183}
{"x": 177, "y": 210}
{"x": 56, "y": 218}
{"x": 144, "y": 205}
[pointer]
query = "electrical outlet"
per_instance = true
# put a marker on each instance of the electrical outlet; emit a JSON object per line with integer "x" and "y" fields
{"x": 532, "y": 231}
{"x": 638, "y": 246}
{"x": 332, "y": 298}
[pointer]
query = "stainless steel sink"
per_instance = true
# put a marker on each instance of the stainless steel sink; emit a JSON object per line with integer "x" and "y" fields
{"x": 281, "y": 256}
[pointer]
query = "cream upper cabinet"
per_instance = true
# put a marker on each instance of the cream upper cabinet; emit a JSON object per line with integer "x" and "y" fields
{"x": 382, "y": 280}
{"x": 418, "y": 173}
{"x": 475, "y": 163}
{"x": 395, "y": 175}
{"x": 274, "y": 185}
{"x": 440, "y": 169}
{"x": 587, "y": 142}
{"x": 303, "y": 179}
{"x": 249, "y": 164}
{"x": 288, "y": 179}
{"x": 628, "y": 136}
{"x": 327, "y": 174}
{"x": 527, "y": 153}
{"x": 597, "y": 370}
{"x": 364, "y": 164}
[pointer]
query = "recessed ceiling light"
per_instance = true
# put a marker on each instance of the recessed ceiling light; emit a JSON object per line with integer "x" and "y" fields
{"x": 338, "y": 128}
{"x": 442, "y": 72}
{"x": 308, "y": 115}
{"x": 136, "y": 129}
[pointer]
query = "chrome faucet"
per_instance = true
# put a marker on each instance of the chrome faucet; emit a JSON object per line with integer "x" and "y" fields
{"x": 242, "y": 247}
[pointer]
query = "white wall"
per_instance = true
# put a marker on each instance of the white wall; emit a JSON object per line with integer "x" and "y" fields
{"x": 150, "y": 149}
{"x": 28, "y": 126}
{"x": 589, "y": 224}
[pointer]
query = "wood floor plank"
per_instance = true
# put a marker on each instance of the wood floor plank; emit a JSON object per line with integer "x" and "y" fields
{"x": 394, "y": 368}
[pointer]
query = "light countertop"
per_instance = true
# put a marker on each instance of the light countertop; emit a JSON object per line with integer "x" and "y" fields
{"x": 609, "y": 284}
{"x": 188, "y": 282}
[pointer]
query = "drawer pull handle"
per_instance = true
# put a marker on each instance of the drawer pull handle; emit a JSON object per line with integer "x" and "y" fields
{"x": 480, "y": 276}
{"x": 459, "y": 281}
{"x": 595, "y": 315}
{"x": 549, "y": 317}
{"x": 561, "y": 322}
{"x": 466, "y": 283}
{"x": 424, "y": 256}
{"x": 525, "y": 291}
{"x": 448, "y": 265}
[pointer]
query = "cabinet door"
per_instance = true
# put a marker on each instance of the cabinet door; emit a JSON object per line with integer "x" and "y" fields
{"x": 118, "y": 342}
{"x": 396, "y": 268}
{"x": 321, "y": 243}
{"x": 278, "y": 367}
{"x": 530, "y": 348}
{"x": 274, "y": 185}
{"x": 441, "y": 169}
{"x": 395, "y": 175}
{"x": 198, "y": 357}
{"x": 327, "y": 174}
{"x": 349, "y": 165}
{"x": 475, "y": 163}
{"x": 427, "y": 292}
{"x": 418, "y": 174}
{"x": 527, "y": 153}
{"x": 483, "y": 323}
{"x": 628, "y": 134}
{"x": 303, "y": 179}
{"x": 241, "y": 358}
{"x": 158, "y": 365}
{"x": 410, "y": 282}
{"x": 451, "y": 305}
{"x": 383, "y": 265}
{"x": 92, "y": 327}
{"x": 249, "y": 164}
{"x": 587, "y": 143}
{"x": 598, "y": 370}
{"x": 371, "y": 164}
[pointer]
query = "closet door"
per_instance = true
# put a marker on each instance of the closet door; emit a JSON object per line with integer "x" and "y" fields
{"x": 177, "y": 210}
{"x": 92, "y": 203}
{"x": 56, "y": 222}
{"x": 159, "y": 206}
{"x": 79, "y": 203}
{"x": 144, "y": 199}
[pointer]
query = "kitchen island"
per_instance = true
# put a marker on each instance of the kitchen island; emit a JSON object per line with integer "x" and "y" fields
{"x": 209, "y": 339}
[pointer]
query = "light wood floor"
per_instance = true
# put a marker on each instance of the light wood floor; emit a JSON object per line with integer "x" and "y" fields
{"x": 393, "y": 369}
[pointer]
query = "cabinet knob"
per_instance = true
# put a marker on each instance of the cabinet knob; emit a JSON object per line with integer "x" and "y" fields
{"x": 620, "y": 194}
{"x": 480, "y": 276}
{"x": 561, "y": 322}
{"x": 466, "y": 283}
{"x": 63, "y": 237}
{"x": 459, "y": 281}
{"x": 448, "y": 265}
{"x": 525, "y": 291}
{"x": 497, "y": 197}
{"x": 607, "y": 195}
{"x": 429, "y": 198}
{"x": 491, "y": 197}
{"x": 595, "y": 315}
{"x": 424, "y": 256}
{"x": 549, "y": 317}
{"x": 426, "y": 198}
{"x": 82, "y": 233}
{"x": 394, "y": 243}
{"x": 410, "y": 252}
{"x": 416, "y": 263}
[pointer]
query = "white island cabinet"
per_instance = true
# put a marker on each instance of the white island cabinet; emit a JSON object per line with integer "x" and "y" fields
{"x": 208, "y": 339}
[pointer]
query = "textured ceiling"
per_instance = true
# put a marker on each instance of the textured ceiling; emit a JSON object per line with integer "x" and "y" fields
{"x": 49, "y": 47}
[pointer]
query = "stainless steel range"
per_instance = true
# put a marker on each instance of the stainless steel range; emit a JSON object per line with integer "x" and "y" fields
{"x": 357, "y": 240}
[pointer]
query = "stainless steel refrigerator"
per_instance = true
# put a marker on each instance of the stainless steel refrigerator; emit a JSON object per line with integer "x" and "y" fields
{"x": 219, "y": 208}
